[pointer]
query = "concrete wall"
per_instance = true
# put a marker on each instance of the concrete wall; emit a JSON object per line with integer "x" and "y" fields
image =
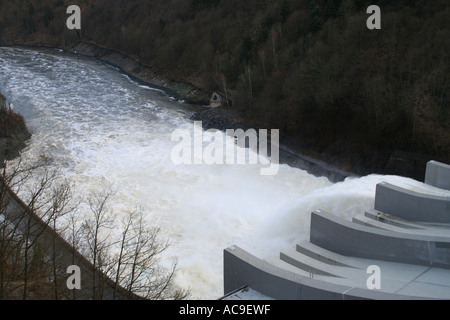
{"x": 27, "y": 222}
{"x": 411, "y": 205}
{"x": 243, "y": 269}
{"x": 438, "y": 175}
{"x": 350, "y": 239}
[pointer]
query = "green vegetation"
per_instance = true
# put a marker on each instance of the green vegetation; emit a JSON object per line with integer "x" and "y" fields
{"x": 310, "y": 68}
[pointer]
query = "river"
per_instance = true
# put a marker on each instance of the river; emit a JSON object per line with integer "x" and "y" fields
{"x": 104, "y": 130}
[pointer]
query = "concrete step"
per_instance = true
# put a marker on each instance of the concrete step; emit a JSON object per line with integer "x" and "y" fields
{"x": 387, "y": 222}
{"x": 323, "y": 255}
{"x": 274, "y": 276}
{"x": 395, "y": 221}
{"x": 306, "y": 263}
{"x": 276, "y": 262}
{"x": 280, "y": 264}
{"x": 364, "y": 220}
{"x": 394, "y": 276}
{"x": 351, "y": 239}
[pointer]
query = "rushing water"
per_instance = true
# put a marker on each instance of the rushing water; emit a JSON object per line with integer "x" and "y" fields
{"x": 104, "y": 130}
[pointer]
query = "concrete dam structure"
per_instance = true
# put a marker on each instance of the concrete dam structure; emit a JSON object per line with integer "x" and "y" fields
{"x": 399, "y": 250}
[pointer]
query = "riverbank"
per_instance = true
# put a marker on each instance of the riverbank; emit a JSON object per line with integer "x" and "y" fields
{"x": 13, "y": 132}
{"x": 366, "y": 106}
{"x": 218, "y": 118}
{"x": 338, "y": 161}
{"x": 222, "y": 120}
{"x": 142, "y": 73}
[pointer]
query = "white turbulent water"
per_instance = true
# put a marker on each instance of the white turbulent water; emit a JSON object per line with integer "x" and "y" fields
{"x": 102, "y": 129}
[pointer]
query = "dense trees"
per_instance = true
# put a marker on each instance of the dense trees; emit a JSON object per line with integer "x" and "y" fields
{"x": 308, "y": 67}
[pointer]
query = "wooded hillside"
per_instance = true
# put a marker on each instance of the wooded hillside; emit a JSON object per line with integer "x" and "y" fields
{"x": 310, "y": 68}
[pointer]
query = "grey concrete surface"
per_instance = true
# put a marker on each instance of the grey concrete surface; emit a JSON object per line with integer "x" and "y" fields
{"x": 241, "y": 269}
{"x": 411, "y": 205}
{"x": 407, "y": 236}
{"x": 383, "y": 221}
{"x": 438, "y": 175}
{"x": 351, "y": 239}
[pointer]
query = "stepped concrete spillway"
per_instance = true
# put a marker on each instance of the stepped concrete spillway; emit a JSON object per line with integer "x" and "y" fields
{"x": 406, "y": 237}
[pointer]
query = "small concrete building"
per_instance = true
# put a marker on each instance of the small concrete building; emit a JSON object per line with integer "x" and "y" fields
{"x": 217, "y": 100}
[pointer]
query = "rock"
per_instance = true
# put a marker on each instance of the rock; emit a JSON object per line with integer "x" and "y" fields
{"x": 13, "y": 132}
{"x": 214, "y": 119}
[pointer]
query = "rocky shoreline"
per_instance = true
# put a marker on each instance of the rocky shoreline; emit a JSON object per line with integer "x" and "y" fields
{"x": 13, "y": 132}
{"x": 142, "y": 73}
{"x": 397, "y": 163}
{"x": 223, "y": 120}
{"x": 217, "y": 118}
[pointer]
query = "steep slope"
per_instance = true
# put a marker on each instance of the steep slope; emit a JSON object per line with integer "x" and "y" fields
{"x": 362, "y": 99}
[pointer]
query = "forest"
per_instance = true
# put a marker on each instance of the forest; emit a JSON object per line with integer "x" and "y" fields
{"x": 310, "y": 68}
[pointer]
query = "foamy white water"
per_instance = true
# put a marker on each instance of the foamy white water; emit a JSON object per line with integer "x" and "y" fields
{"x": 103, "y": 130}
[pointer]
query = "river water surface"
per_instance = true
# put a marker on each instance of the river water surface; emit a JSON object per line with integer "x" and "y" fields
{"x": 104, "y": 130}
